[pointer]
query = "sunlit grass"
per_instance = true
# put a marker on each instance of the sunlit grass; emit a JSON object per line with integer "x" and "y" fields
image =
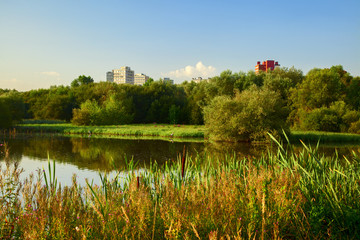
{"x": 324, "y": 137}
{"x": 169, "y": 131}
{"x": 161, "y": 130}
{"x": 282, "y": 195}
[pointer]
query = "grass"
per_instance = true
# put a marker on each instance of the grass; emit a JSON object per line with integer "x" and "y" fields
{"x": 159, "y": 130}
{"x": 282, "y": 195}
{"x": 324, "y": 137}
{"x": 167, "y": 130}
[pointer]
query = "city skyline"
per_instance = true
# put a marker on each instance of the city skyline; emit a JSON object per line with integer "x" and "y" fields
{"x": 52, "y": 43}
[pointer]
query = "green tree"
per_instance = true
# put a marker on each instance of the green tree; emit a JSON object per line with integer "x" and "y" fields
{"x": 117, "y": 111}
{"x": 320, "y": 88}
{"x": 5, "y": 114}
{"x": 337, "y": 118}
{"x": 353, "y": 93}
{"x": 88, "y": 114}
{"x": 174, "y": 113}
{"x": 148, "y": 82}
{"x": 81, "y": 80}
{"x": 247, "y": 117}
{"x": 15, "y": 103}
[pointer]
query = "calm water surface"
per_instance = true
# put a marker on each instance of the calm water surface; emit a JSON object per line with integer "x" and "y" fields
{"x": 86, "y": 156}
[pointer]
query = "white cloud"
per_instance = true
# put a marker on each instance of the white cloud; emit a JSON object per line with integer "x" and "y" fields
{"x": 199, "y": 70}
{"x": 52, "y": 74}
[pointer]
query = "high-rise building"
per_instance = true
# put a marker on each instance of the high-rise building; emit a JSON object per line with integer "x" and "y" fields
{"x": 121, "y": 75}
{"x": 140, "y": 79}
{"x": 266, "y": 65}
{"x": 110, "y": 76}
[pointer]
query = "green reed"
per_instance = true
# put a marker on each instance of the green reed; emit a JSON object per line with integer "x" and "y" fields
{"x": 280, "y": 195}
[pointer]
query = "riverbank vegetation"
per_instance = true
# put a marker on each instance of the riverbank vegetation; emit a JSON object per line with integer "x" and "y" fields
{"x": 322, "y": 100}
{"x": 154, "y": 129}
{"x": 281, "y": 195}
{"x": 170, "y": 132}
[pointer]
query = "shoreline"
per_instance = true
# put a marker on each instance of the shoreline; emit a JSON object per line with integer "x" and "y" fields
{"x": 169, "y": 132}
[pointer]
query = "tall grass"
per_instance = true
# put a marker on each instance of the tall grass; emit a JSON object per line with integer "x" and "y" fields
{"x": 282, "y": 195}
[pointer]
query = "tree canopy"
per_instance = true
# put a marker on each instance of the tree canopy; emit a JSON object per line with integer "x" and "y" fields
{"x": 324, "y": 99}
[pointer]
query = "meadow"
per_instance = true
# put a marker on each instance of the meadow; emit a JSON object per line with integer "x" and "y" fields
{"x": 154, "y": 129}
{"x": 281, "y": 195}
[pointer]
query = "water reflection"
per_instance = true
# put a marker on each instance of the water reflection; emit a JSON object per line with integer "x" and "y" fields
{"x": 98, "y": 153}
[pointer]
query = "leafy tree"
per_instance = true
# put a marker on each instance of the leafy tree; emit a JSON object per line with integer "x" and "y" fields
{"x": 113, "y": 111}
{"x": 148, "y": 82}
{"x": 117, "y": 111}
{"x": 353, "y": 93}
{"x": 54, "y": 103}
{"x": 320, "y": 88}
{"x": 5, "y": 116}
{"x": 174, "y": 113}
{"x": 322, "y": 119}
{"x": 337, "y": 118}
{"x": 247, "y": 117}
{"x": 88, "y": 114}
{"x": 81, "y": 80}
{"x": 296, "y": 76}
{"x": 15, "y": 103}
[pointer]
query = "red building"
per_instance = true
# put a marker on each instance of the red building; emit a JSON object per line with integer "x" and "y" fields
{"x": 268, "y": 64}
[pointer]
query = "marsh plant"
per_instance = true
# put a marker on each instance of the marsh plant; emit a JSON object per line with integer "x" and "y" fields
{"x": 282, "y": 195}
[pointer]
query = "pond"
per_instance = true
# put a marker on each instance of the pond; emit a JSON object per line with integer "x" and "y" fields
{"x": 85, "y": 156}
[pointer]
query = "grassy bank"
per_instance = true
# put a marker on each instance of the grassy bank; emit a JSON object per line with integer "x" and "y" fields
{"x": 159, "y": 130}
{"x": 283, "y": 195}
{"x": 324, "y": 137}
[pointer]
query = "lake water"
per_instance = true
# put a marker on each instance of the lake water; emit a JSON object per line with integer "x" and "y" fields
{"x": 87, "y": 155}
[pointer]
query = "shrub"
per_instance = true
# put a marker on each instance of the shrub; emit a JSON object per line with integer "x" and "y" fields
{"x": 322, "y": 119}
{"x": 355, "y": 127}
{"x": 336, "y": 118}
{"x": 113, "y": 111}
{"x": 247, "y": 117}
{"x": 88, "y": 114}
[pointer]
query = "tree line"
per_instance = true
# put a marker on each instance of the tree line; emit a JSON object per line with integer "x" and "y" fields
{"x": 233, "y": 106}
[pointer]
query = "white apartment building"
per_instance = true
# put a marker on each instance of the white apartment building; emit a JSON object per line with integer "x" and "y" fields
{"x": 140, "y": 79}
{"x": 121, "y": 75}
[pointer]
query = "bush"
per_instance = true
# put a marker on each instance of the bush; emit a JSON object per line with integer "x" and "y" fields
{"x": 88, "y": 114}
{"x": 336, "y": 118}
{"x": 247, "y": 117}
{"x": 322, "y": 119}
{"x": 113, "y": 111}
{"x": 355, "y": 127}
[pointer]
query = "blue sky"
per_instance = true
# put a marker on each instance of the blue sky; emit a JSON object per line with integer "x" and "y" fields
{"x": 45, "y": 43}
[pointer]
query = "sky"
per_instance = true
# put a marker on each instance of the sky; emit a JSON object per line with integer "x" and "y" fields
{"x": 46, "y": 42}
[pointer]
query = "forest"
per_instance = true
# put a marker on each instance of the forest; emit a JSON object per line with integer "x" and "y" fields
{"x": 234, "y": 106}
